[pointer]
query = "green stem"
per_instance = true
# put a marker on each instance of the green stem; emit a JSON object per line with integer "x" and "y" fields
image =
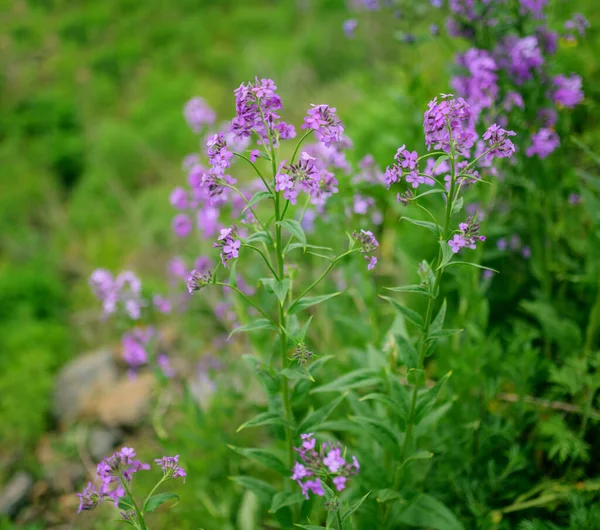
{"x": 249, "y": 207}
{"x": 299, "y": 144}
{"x": 339, "y": 519}
{"x": 255, "y": 169}
{"x": 152, "y": 493}
{"x": 248, "y": 301}
{"x": 138, "y": 513}
{"x": 267, "y": 262}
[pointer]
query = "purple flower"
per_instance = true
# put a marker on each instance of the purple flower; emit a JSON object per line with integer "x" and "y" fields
{"x": 207, "y": 220}
{"x": 254, "y": 155}
{"x": 162, "y": 304}
{"x": 578, "y": 23}
{"x": 414, "y": 179}
{"x": 218, "y": 155}
{"x": 334, "y": 460}
{"x": 568, "y": 90}
{"x": 548, "y": 117}
{"x": 480, "y": 87}
{"x": 170, "y": 467}
{"x": 574, "y": 198}
{"x": 313, "y": 485}
{"x": 535, "y": 8}
{"x": 512, "y": 100}
{"x": 198, "y": 114}
{"x": 499, "y": 143}
{"x": 134, "y": 346}
{"x": 524, "y": 56}
{"x": 182, "y": 225}
{"x": 302, "y": 176}
{"x": 467, "y": 237}
{"x": 176, "y": 267}
{"x": 164, "y": 363}
{"x": 349, "y": 27}
{"x": 323, "y": 120}
{"x": 544, "y": 142}
{"x": 300, "y": 471}
{"x": 463, "y": 8}
{"x": 407, "y": 159}
{"x": 229, "y": 244}
{"x": 123, "y": 291}
{"x": 449, "y": 119}
{"x": 340, "y": 482}
{"x": 198, "y": 279}
{"x": 179, "y": 199}
{"x": 120, "y": 466}
{"x": 89, "y": 498}
{"x": 368, "y": 245}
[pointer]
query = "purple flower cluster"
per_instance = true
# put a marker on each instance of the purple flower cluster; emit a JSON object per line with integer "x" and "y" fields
{"x": 198, "y": 279}
{"x": 198, "y": 114}
{"x": 533, "y": 7}
{"x": 567, "y": 91}
{"x": 467, "y": 237}
{"x": 480, "y": 87}
{"x": 170, "y": 467}
{"x": 323, "y": 120}
{"x": 257, "y": 104}
{"x": 302, "y": 176}
{"x": 498, "y": 142}
{"x": 543, "y": 143}
{"x": 135, "y": 344}
{"x": 449, "y": 120}
{"x": 369, "y": 244}
{"x": 327, "y": 463}
{"x": 124, "y": 292}
{"x": 229, "y": 244}
{"x": 220, "y": 159}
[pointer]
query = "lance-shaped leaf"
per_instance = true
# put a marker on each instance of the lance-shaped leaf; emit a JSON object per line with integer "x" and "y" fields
{"x": 284, "y": 498}
{"x": 360, "y": 378}
{"x": 389, "y": 495}
{"x": 308, "y": 301}
{"x": 156, "y": 500}
{"x": 263, "y": 490}
{"x": 264, "y": 457}
{"x": 433, "y": 227}
{"x": 425, "y": 511}
{"x": 354, "y": 507}
{"x": 265, "y": 418}
{"x": 440, "y": 333}
{"x": 409, "y": 314}
{"x": 295, "y": 229}
{"x": 418, "y": 289}
{"x": 438, "y": 321}
{"x": 408, "y": 353}
{"x": 257, "y": 197}
{"x": 259, "y": 237}
{"x": 297, "y": 372}
{"x": 447, "y": 254}
{"x": 255, "y": 325}
{"x": 427, "y": 399}
{"x": 317, "y": 417}
{"x": 380, "y": 432}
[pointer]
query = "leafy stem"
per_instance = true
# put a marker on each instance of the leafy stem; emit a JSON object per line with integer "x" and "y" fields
{"x": 267, "y": 262}
{"x": 248, "y": 300}
{"x": 255, "y": 169}
{"x": 152, "y": 493}
{"x": 138, "y": 513}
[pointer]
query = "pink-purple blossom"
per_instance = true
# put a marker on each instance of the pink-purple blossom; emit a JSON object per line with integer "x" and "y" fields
{"x": 324, "y": 121}
{"x": 567, "y": 92}
{"x": 198, "y": 114}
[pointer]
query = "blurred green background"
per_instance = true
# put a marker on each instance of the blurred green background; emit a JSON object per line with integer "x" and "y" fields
{"x": 91, "y": 141}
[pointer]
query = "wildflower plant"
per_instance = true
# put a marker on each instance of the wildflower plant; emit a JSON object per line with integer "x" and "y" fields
{"x": 114, "y": 484}
{"x": 270, "y": 228}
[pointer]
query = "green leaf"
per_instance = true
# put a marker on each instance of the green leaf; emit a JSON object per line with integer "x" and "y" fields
{"x": 279, "y": 287}
{"x": 316, "y": 417}
{"x": 447, "y": 254}
{"x": 433, "y": 227}
{"x": 430, "y": 192}
{"x": 156, "y": 500}
{"x": 438, "y": 334}
{"x": 266, "y": 418}
{"x": 426, "y": 401}
{"x": 264, "y": 457}
{"x": 410, "y": 289}
{"x": 379, "y": 431}
{"x": 233, "y": 275}
{"x": 409, "y": 314}
{"x": 389, "y": 495}
{"x": 284, "y": 498}
{"x": 257, "y": 197}
{"x": 297, "y": 372}
{"x": 354, "y": 507}
{"x": 356, "y": 379}
{"x": 382, "y": 398}
{"x": 438, "y": 321}
{"x": 295, "y": 229}
{"x": 260, "y": 236}
{"x": 314, "y": 247}
{"x": 125, "y": 503}
{"x": 407, "y": 351}
{"x": 260, "y": 488}
{"x": 476, "y": 265}
{"x": 255, "y": 325}
{"x": 303, "y": 303}
{"x": 302, "y": 334}
{"x": 419, "y": 455}
{"x": 426, "y": 511}
{"x": 440, "y": 159}
{"x": 458, "y": 205}
{"x": 416, "y": 377}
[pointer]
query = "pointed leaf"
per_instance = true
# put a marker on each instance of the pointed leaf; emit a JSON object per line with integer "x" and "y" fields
{"x": 259, "y": 237}
{"x": 284, "y": 498}
{"x": 297, "y": 372}
{"x": 318, "y": 416}
{"x": 310, "y": 527}
{"x": 295, "y": 229}
{"x": 314, "y": 247}
{"x": 438, "y": 321}
{"x": 264, "y": 457}
{"x": 356, "y": 379}
{"x": 308, "y": 301}
{"x": 156, "y": 500}
{"x": 379, "y": 431}
{"x": 447, "y": 254}
{"x": 255, "y": 325}
{"x": 416, "y": 377}
{"x": 426, "y": 511}
{"x": 354, "y": 507}
{"x": 409, "y": 314}
{"x": 257, "y": 197}
{"x": 407, "y": 351}
{"x": 426, "y": 401}
{"x": 433, "y": 227}
{"x": 476, "y": 265}
{"x": 389, "y": 495}
{"x": 260, "y": 488}
{"x": 438, "y": 334}
{"x": 266, "y": 418}
{"x": 410, "y": 289}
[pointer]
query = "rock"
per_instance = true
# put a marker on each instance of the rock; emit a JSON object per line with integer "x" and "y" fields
{"x": 15, "y": 493}
{"x": 81, "y": 381}
{"x": 127, "y": 401}
{"x": 64, "y": 476}
{"x": 102, "y": 441}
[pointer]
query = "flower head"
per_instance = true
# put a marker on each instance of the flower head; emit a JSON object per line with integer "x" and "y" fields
{"x": 170, "y": 467}
{"x": 198, "y": 280}
{"x": 323, "y": 120}
{"x": 467, "y": 237}
{"x": 198, "y": 114}
{"x": 543, "y": 143}
{"x": 229, "y": 244}
{"x": 568, "y": 90}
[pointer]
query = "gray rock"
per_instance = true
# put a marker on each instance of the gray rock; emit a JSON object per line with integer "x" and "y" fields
{"x": 15, "y": 493}
{"x": 102, "y": 442}
{"x": 80, "y": 380}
